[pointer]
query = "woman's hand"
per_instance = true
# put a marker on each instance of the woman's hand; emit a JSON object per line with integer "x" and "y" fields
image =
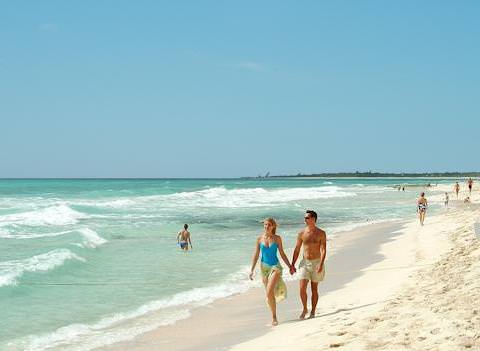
{"x": 250, "y": 276}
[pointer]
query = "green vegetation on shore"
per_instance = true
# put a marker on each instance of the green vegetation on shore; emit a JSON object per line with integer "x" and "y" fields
{"x": 371, "y": 174}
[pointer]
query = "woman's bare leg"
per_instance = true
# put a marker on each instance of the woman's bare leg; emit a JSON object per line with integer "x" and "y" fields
{"x": 272, "y": 282}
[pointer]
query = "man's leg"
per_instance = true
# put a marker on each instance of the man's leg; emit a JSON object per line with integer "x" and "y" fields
{"x": 303, "y": 297}
{"x": 314, "y": 299}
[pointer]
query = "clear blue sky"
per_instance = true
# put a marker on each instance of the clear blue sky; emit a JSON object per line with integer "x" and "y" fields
{"x": 225, "y": 89}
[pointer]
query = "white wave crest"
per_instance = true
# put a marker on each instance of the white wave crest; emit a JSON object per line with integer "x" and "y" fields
{"x": 55, "y": 215}
{"x": 92, "y": 239}
{"x": 10, "y": 271}
{"x": 254, "y": 197}
{"x": 7, "y": 235}
{"x": 116, "y": 203}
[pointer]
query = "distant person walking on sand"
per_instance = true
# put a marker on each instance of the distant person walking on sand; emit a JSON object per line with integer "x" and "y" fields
{"x": 456, "y": 188}
{"x": 312, "y": 266}
{"x": 422, "y": 205}
{"x": 269, "y": 243}
{"x": 183, "y": 238}
{"x": 470, "y": 185}
{"x": 446, "y": 199}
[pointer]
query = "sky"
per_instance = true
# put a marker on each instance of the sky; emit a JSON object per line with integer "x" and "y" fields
{"x": 230, "y": 89}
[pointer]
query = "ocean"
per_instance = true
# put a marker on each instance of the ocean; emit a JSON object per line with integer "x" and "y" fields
{"x": 86, "y": 263}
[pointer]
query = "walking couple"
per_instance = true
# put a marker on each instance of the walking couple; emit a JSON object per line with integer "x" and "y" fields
{"x": 311, "y": 267}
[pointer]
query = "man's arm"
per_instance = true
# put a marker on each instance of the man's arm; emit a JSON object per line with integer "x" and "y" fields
{"x": 178, "y": 237}
{"x": 298, "y": 246}
{"x": 190, "y": 240}
{"x": 323, "y": 251}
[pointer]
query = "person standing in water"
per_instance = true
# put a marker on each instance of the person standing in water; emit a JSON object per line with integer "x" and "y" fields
{"x": 446, "y": 199}
{"x": 312, "y": 266}
{"x": 269, "y": 243}
{"x": 183, "y": 238}
{"x": 422, "y": 205}
{"x": 456, "y": 188}
{"x": 470, "y": 185}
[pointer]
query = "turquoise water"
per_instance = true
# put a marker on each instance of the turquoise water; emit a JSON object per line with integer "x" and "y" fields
{"x": 85, "y": 263}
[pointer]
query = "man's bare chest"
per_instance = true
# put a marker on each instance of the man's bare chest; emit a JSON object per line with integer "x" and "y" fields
{"x": 311, "y": 238}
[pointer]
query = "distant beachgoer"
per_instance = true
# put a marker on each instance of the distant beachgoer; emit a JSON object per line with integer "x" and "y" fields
{"x": 470, "y": 185}
{"x": 269, "y": 243}
{"x": 183, "y": 238}
{"x": 312, "y": 266}
{"x": 446, "y": 199}
{"x": 456, "y": 188}
{"x": 403, "y": 188}
{"x": 467, "y": 200}
{"x": 422, "y": 205}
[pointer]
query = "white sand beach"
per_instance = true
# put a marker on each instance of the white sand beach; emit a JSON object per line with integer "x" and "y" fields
{"x": 389, "y": 286}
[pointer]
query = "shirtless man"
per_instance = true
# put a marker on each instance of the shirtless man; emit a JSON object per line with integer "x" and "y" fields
{"x": 456, "y": 188}
{"x": 183, "y": 238}
{"x": 311, "y": 268}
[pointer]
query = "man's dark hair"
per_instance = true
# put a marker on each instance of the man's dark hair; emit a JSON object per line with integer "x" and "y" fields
{"x": 312, "y": 213}
{"x": 185, "y": 226}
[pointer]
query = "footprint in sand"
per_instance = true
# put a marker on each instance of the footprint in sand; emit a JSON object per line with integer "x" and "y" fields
{"x": 337, "y": 344}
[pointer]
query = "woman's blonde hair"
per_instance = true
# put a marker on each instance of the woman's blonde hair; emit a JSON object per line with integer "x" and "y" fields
{"x": 272, "y": 222}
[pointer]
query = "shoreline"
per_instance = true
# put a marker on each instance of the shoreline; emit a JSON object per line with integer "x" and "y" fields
{"x": 245, "y": 316}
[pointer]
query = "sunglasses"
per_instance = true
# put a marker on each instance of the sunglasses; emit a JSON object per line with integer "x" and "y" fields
{"x": 307, "y": 217}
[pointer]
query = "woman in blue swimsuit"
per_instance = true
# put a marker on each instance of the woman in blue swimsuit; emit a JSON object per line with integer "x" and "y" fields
{"x": 269, "y": 243}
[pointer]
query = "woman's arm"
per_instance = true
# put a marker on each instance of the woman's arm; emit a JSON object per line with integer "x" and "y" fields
{"x": 256, "y": 254}
{"x": 282, "y": 253}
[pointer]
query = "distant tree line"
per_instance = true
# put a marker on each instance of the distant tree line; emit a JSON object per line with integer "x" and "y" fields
{"x": 371, "y": 174}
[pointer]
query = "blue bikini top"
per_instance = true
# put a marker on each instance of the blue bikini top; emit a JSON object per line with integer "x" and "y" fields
{"x": 269, "y": 254}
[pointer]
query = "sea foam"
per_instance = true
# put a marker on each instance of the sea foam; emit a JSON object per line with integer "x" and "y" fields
{"x": 10, "y": 271}
{"x": 59, "y": 215}
{"x": 91, "y": 238}
{"x": 16, "y": 235}
{"x": 253, "y": 197}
